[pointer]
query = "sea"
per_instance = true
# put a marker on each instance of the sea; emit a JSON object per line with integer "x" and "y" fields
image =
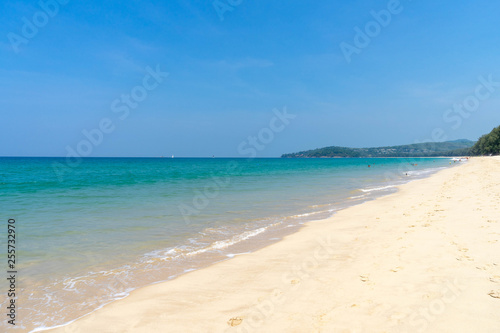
{"x": 89, "y": 232}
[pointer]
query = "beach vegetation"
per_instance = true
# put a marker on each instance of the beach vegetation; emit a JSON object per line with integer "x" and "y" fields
{"x": 488, "y": 144}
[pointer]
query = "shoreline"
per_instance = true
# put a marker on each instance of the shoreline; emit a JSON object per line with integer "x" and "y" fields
{"x": 229, "y": 270}
{"x": 74, "y": 296}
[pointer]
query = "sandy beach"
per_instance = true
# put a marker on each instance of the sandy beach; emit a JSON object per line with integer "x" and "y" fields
{"x": 425, "y": 259}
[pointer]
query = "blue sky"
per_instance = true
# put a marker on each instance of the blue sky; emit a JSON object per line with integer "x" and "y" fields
{"x": 225, "y": 76}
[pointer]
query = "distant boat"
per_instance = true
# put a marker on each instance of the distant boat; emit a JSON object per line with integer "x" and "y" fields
{"x": 172, "y": 156}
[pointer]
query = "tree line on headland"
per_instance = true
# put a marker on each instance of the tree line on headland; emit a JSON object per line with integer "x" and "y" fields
{"x": 488, "y": 144}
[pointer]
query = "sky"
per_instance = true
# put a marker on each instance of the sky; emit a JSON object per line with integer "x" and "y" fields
{"x": 239, "y": 78}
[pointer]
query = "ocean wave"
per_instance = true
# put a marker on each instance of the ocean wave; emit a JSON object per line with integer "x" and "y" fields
{"x": 425, "y": 172}
{"x": 219, "y": 245}
{"x": 232, "y": 255}
{"x": 358, "y": 196}
{"x": 377, "y": 188}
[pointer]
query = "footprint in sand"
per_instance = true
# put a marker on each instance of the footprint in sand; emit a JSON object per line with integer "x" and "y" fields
{"x": 235, "y": 321}
{"x": 396, "y": 269}
{"x": 295, "y": 281}
{"x": 495, "y": 293}
{"x": 463, "y": 257}
{"x": 495, "y": 279}
{"x": 364, "y": 278}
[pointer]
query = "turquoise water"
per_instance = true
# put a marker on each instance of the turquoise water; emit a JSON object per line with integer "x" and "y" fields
{"x": 95, "y": 231}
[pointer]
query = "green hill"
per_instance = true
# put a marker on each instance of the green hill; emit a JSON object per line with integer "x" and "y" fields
{"x": 427, "y": 149}
{"x": 488, "y": 144}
